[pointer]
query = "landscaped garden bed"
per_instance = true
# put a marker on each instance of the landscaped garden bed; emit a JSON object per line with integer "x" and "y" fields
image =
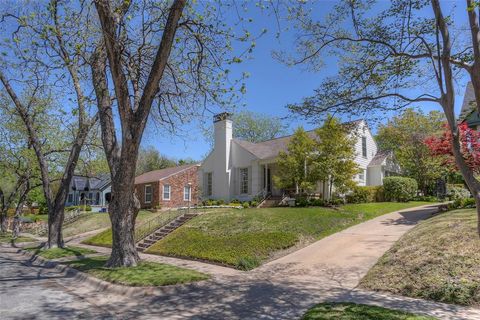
{"x": 438, "y": 260}
{"x": 144, "y": 274}
{"x": 244, "y": 239}
{"x": 352, "y": 311}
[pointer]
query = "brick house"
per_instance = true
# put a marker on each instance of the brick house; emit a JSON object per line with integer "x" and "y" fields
{"x": 169, "y": 187}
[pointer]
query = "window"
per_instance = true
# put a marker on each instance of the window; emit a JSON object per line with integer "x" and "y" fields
{"x": 148, "y": 193}
{"x": 361, "y": 175}
{"x": 70, "y": 198}
{"x": 90, "y": 197}
{"x": 209, "y": 189}
{"x": 166, "y": 192}
{"x": 187, "y": 193}
{"x": 244, "y": 180}
{"x": 364, "y": 146}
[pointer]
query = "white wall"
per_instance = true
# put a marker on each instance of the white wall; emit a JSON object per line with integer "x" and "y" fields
{"x": 362, "y": 130}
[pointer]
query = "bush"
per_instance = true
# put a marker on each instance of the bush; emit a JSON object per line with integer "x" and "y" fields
{"x": 399, "y": 189}
{"x": 364, "y": 194}
{"x": 246, "y": 205}
{"x": 426, "y": 198}
{"x": 456, "y": 191}
{"x": 254, "y": 203}
{"x": 301, "y": 202}
{"x": 462, "y": 203}
{"x": 235, "y": 201}
{"x": 317, "y": 202}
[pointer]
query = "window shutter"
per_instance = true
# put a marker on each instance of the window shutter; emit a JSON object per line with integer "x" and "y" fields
{"x": 236, "y": 180}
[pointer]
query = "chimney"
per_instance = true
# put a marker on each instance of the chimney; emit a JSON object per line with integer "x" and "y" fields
{"x": 222, "y": 124}
{"x": 222, "y": 127}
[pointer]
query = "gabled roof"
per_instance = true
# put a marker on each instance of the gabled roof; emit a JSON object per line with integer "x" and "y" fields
{"x": 468, "y": 105}
{"x": 83, "y": 183}
{"x": 379, "y": 158}
{"x": 270, "y": 148}
{"x": 157, "y": 175}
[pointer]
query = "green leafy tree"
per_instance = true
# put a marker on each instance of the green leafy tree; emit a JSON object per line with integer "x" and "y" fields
{"x": 293, "y": 165}
{"x": 405, "y": 135}
{"x": 334, "y": 155}
{"x": 256, "y": 127}
{"x": 150, "y": 159}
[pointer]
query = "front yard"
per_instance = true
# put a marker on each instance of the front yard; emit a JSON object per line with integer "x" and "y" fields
{"x": 438, "y": 260}
{"x": 244, "y": 239}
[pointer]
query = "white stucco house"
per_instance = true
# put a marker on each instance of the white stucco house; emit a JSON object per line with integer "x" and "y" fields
{"x": 237, "y": 169}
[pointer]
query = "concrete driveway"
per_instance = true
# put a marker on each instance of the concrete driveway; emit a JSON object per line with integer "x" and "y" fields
{"x": 327, "y": 270}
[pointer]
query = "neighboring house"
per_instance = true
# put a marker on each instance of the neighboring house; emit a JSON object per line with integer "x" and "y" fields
{"x": 469, "y": 112}
{"x": 169, "y": 187}
{"x": 93, "y": 191}
{"x": 237, "y": 169}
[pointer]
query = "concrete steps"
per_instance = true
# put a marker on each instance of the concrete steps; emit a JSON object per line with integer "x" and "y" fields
{"x": 163, "y": 231}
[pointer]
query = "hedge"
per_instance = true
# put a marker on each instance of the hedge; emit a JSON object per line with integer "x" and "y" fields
{"x": 364, "y": 194}
{"x": 400, "y": 189}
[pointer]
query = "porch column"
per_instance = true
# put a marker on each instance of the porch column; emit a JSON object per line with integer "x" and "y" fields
{"x": 265, "y": 174}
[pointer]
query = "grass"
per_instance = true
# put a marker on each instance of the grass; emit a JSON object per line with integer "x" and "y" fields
{"x": 144, "y": 274}
{"x": 246, "y": 238}
{"x": 7, "y": 238}
{"x": 93, "y": 221}
{"x": 37, "y": 217}
{"x": 56, "y": 253}
{"x": 352, "y": 311}
{"x": 104, "y": 238}
{"x": 438, "y": 260}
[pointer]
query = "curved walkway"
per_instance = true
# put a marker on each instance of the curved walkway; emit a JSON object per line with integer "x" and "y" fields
{"x": 327, "y": 270}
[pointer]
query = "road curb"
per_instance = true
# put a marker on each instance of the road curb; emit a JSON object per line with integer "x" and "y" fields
{"x": 101, "y": 285}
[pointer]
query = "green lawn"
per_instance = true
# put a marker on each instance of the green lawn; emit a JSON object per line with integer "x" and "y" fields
{"x": 104, "y": 238}
{"x": 98, "y": 220}
{"x": 439, "y": 260}
{"x": 352, "y": 311}
{"x": 56, "y": 253}
{"x": 144, "y": 274}
{"x": 7, "y": 238}
{"x": 246, "y": 238}
{"x": 37, "y": 217}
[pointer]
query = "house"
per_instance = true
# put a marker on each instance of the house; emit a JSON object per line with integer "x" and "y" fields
{"x": 93, "y": 191}
{"x": 242, "y": 170}
{"x": 169, "y": 187}
{"x": 469, "y": 112}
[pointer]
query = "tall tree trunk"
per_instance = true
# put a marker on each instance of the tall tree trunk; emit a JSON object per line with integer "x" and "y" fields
{"x": 123, "y": 211}
{"x": 55, "y": 225}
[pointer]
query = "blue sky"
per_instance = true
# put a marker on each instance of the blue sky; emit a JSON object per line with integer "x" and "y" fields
{"x": 271, "y": 86}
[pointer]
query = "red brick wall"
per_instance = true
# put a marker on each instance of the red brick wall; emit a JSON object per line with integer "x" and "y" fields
{"x": 177, "y": 182}
{"x": 140, "y": 189}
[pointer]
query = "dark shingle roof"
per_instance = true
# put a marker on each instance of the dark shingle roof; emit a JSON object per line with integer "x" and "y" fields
{"x": 156, "y": 175}
{"x": 90, "y": 183}
{"x": 270, "y": 148}
{"x": 468, "y": 105}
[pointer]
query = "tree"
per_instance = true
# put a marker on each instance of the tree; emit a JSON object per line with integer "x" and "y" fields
{"x": 441, "y": 147}
{"x": 390, "y": 58}
{"x": 334, "y": 155}
{"x": 405, "y": 135}
{"x": 150, "y": 159}
{"x": 47, "y": 58}
{"x": 294, "y": 164}
{"x": 167, "y": 55}
{"x": 257, "y": 127}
